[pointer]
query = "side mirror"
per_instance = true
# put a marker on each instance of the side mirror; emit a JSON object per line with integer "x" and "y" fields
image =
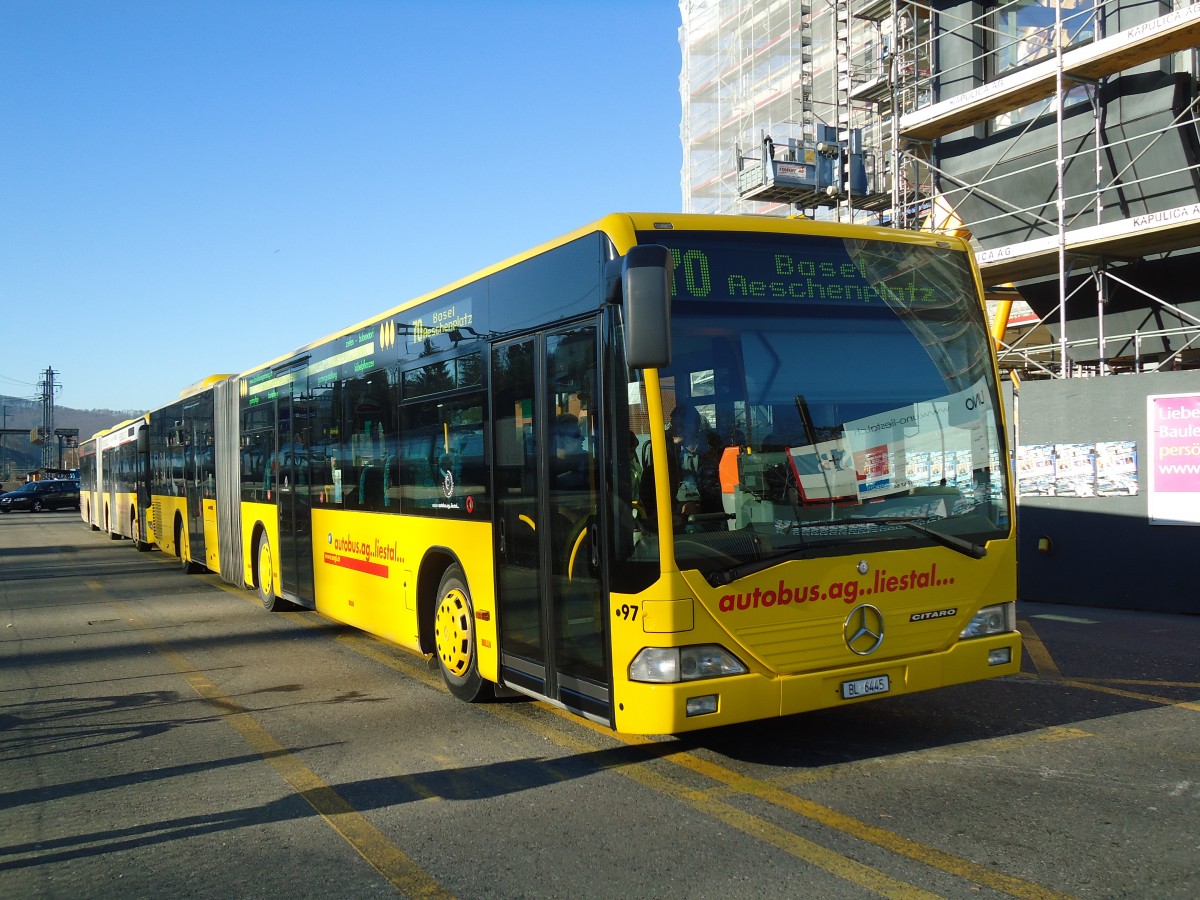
{"x": 646, "y": 300}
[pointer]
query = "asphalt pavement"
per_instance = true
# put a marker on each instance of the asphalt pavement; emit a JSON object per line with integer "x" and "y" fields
{"x": 162, "y": 735}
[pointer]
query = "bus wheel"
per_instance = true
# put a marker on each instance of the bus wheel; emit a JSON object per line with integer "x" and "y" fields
{"x": 136, "y": 530}
{"x": 454, "y": 637}
{"x": 185, "y": 564}
{"x": 266, "y": 578}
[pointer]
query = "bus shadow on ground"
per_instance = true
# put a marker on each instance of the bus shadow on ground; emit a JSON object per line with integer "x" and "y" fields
{"x": 939, "y": 719}
{"x": 459, "y": 784}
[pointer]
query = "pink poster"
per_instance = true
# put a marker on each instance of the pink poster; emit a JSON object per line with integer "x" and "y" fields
{"x": 1173, "y": 458}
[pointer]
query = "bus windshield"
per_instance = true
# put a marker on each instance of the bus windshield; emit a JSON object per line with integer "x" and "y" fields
{"x": 825, "y": 396}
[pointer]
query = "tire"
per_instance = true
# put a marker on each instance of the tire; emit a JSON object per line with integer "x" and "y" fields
{"x": 455, "y": 641}
{"x": 266, "y": 577}
{"x": 136, "y": 530}
{"x": 186, "y": 566}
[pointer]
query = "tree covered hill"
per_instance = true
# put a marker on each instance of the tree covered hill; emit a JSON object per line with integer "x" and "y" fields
{"x": 18, "y": 455}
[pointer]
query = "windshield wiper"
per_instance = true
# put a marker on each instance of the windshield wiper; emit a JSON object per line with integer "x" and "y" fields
{"x": 722, "y": 577}
{"x": 959, "y": 545}
{"x": 733, "y": 573}
{"x": 728, "y": 576}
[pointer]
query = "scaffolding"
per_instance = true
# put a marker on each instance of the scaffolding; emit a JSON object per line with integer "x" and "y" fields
{"x": 769, "y": 123}
{"x": 1085, "y": 235}
{"x": 1061, "y": 187}
{"x": 743, "y": 75}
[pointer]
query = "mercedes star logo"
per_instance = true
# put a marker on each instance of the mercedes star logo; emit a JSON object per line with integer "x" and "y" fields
{"x": 864, "y": 629}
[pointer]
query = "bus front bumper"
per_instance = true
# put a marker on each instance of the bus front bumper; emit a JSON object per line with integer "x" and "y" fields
{"x": 693, "y": 705}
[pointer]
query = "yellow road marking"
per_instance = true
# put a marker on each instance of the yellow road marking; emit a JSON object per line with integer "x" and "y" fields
{"x": 400, "y": 869}
{"x": 1047, "y": 669}
{"x": 708, "y": 804}
{"x": 881, "y": 837}
{"x": 889, "y": 840}
{"x": 368, "y": 841}
{"x": 1132, "y": 695}
{"x": 703, "y": 801}
{"x": 1141, "y": 682}
{"x": 1042, "y": 661}
{"x": 990, "y": 747}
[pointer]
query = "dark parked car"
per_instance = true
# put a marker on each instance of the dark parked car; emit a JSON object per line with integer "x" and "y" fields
{"x": 38, "y": 495}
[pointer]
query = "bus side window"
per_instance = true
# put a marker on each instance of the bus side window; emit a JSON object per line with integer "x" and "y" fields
{"x": 471, "y": 460}
{"x": 256, "y": 479}
{"x": 443, "y": 465}
{"x": 418, "y": 454}
{"x": 368, "y": 436}
{"x": 511, "y": 440}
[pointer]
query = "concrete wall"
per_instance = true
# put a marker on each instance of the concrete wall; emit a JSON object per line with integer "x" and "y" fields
{"x": 1105, "y": 551}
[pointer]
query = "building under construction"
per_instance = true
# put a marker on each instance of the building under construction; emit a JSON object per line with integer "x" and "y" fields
{"x": 1061, "y": 136}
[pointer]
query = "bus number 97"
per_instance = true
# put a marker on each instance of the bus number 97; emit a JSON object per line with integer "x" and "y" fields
{"x": 628, "y": 612}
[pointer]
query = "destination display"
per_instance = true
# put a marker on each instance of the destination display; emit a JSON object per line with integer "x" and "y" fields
{"x": 816, "y": 271}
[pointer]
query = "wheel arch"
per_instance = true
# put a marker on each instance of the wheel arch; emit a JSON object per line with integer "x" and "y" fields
{"x": 429, "y": 577}
{"x": 137, "y": 528}
{"x": 180, "y": 533}
{"x": 256, "y": 534}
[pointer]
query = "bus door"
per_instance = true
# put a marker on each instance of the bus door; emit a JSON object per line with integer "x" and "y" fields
{"x": 551, "y": 611}
{"x": 192, "y": 443}
{"x": 294, "y": 435}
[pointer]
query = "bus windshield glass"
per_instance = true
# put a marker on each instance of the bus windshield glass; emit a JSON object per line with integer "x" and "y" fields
{"x": 825, "y": 395}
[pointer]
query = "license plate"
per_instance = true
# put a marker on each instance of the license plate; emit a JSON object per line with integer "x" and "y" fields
{"x": 864, "y": 687}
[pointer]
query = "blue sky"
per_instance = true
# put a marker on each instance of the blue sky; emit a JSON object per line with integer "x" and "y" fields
{"x": 189, "y": 188}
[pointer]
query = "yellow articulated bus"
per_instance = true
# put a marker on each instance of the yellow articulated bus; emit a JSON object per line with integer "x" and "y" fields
{"x": 118, "y": 501}
{"x": 667, "y": 472}
{"x": 181, "y": 466}
{"x": 153, "y": 479}
{"x": 89, "y": 482}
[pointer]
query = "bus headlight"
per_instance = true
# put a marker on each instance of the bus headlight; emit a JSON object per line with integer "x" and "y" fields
{"x": 996, "y": 619}
{"x": 667, "y": 665}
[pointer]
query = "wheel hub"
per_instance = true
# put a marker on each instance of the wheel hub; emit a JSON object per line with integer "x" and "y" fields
{"x": 266, "y": 571}
{"x": 452, "y": 629}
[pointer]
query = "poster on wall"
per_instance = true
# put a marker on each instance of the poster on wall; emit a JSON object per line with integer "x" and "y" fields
{"x": 1035, "y": 470}
{"x": 1100, "y": 469}
{"x": 1173, "y": 458}
{"x": 1116, "y": 468}
{"x": 1075, "y": 470}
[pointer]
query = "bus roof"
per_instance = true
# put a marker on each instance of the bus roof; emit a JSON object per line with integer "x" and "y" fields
{"x": 622, "y": 229}
{"x": 202, "y": 385}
